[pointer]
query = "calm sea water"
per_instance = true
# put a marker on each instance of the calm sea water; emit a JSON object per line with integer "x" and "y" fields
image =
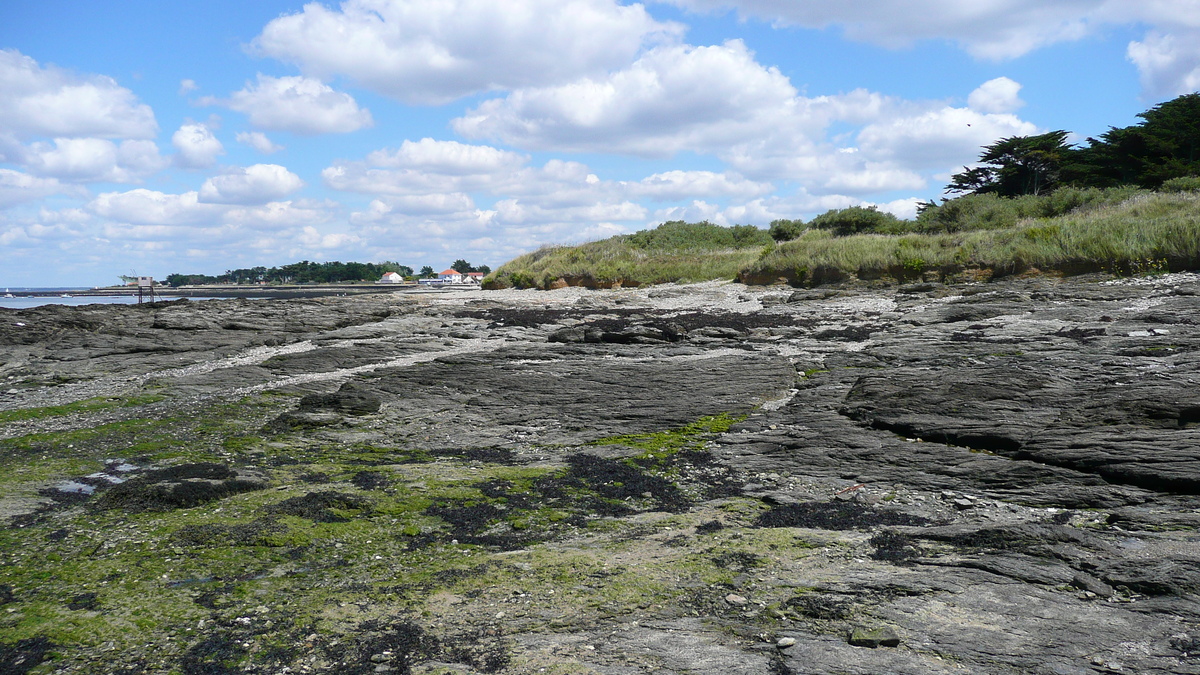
{"x": 65, "y": 297}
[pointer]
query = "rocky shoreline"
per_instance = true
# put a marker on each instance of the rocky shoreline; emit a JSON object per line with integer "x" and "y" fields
{"x": 981, "y": 478}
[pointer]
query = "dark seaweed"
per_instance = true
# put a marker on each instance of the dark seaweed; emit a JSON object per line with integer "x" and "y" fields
{"x": 834, "y": 516}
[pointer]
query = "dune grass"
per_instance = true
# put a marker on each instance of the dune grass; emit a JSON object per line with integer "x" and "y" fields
{"x": 1147, "y": 232}
{"x": 599, "y": 265}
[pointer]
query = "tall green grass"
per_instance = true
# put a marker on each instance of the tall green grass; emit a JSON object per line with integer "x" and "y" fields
{"x": 1150, "y": 231}
{"x": 990, "y": 212}
{"x": 615, "y": 262}
{"x": 1121, "y": 232}
{"x": 673, "y": 252}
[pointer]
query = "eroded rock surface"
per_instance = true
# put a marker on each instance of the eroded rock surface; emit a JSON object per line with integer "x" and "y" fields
{"x": 987, "y": 478}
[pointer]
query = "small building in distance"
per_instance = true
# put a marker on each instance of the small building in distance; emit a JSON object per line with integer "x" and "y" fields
{"x": 391, "y": 278}
{"x": 448, "y": 277}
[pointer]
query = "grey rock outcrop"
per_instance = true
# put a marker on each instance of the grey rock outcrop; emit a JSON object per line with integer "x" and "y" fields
{"x": 987, "y": 478}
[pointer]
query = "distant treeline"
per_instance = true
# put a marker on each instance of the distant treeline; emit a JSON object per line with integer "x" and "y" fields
{"x": 303, "y": 272}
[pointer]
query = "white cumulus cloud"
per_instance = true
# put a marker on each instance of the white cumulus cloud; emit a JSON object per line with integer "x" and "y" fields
{"x": 94, "y": 159}
{"x": 259, "y": 141}
{"x": 672, "y": 98}
{"x": 256, "y": 184}
{"x": 281, "y": 216}
{"x": 17, "y": 188}
{"x": 676, "y": 185}
{"x": 997, "y": 29}
{"x": 449, "y": 157}
{"x": 720, "y": 101}
{"x": 151, "y": 207}
{"x": 182, "y": 216}
{"x": 1169, "y": 64}
{"x": 420, "y": 205}
{"x": 938, "y": 138}
{"x": 1167, "y": 58}
{"x": 434, "y": 51}
{"x": 1000, "y": 95}
{"x": 301, "y": 105}
{"x": 312, "y": 238}
{"x": 197, "y": 147}
{"x": 427, "y": 166}
{"x": 50, "y": 101}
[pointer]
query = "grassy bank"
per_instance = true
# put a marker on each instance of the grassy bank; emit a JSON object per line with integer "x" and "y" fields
{"x": 675, "y": 251}
{"x": 1143, "y": 232}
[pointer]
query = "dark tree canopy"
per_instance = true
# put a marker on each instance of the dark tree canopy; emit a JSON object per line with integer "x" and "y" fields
{"x": 1014, "y": 166}
{"x": 1165, "y": 145}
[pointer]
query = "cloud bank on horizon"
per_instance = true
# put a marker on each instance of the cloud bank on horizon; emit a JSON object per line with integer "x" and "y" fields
{"x": 425, "y": 131}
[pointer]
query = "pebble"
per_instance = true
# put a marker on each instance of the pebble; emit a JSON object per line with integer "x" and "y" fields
{"x": 736, "y": 600}
{"x": 784, "y": 643}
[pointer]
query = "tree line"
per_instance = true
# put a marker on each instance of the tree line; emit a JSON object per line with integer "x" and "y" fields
{"x": 1164, "y": 146}
{"x": 306, "y": 272}
{"x": 1043, "y": 176}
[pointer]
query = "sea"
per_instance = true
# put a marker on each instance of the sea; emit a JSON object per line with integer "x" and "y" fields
{"x": 66, "y": 296}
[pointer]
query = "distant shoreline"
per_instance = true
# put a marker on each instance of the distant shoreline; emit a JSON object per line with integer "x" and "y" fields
{"x": 249, "y": 291}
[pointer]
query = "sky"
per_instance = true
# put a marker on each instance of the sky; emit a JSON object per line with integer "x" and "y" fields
{"x": 148, "y": 137}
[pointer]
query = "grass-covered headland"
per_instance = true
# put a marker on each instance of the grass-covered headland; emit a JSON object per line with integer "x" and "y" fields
{"x": 1071, "y": 231}
{"x": 1126, "y": 202}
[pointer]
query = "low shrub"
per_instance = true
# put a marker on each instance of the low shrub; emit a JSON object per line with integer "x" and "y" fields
{"x": 990, "y": 212}
{"x": 677, "y": 235}
{"x": 786, "y": 230}
{"x": 854, "y": 220}
{"x": 1182, "y": 184}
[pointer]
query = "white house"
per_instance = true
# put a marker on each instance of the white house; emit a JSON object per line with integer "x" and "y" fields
{"x": 451, "y": 277}
{"x": 391, "y": 278}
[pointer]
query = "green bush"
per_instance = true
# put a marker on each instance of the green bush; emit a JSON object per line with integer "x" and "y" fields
{"x": 855, "y": 220}
{"x": 1067, "y": 200}
{"x": 991, "y": 212}
{"x": 786, "y": 230}
{"x": 970, "y": 212}
{"x": 1182, "y": 184}
{"x": 677, "y": 235}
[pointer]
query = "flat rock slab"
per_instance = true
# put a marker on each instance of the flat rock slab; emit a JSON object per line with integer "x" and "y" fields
{"x": 986, "y": 478}
{"x": 569, "y": 396}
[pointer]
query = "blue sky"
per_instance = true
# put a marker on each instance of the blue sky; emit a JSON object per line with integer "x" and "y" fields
{"x": 156, "y": 137}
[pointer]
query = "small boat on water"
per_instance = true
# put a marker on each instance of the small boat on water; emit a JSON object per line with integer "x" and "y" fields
{"x": 7, "y": 294}
{"x": 65, "y": 295}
